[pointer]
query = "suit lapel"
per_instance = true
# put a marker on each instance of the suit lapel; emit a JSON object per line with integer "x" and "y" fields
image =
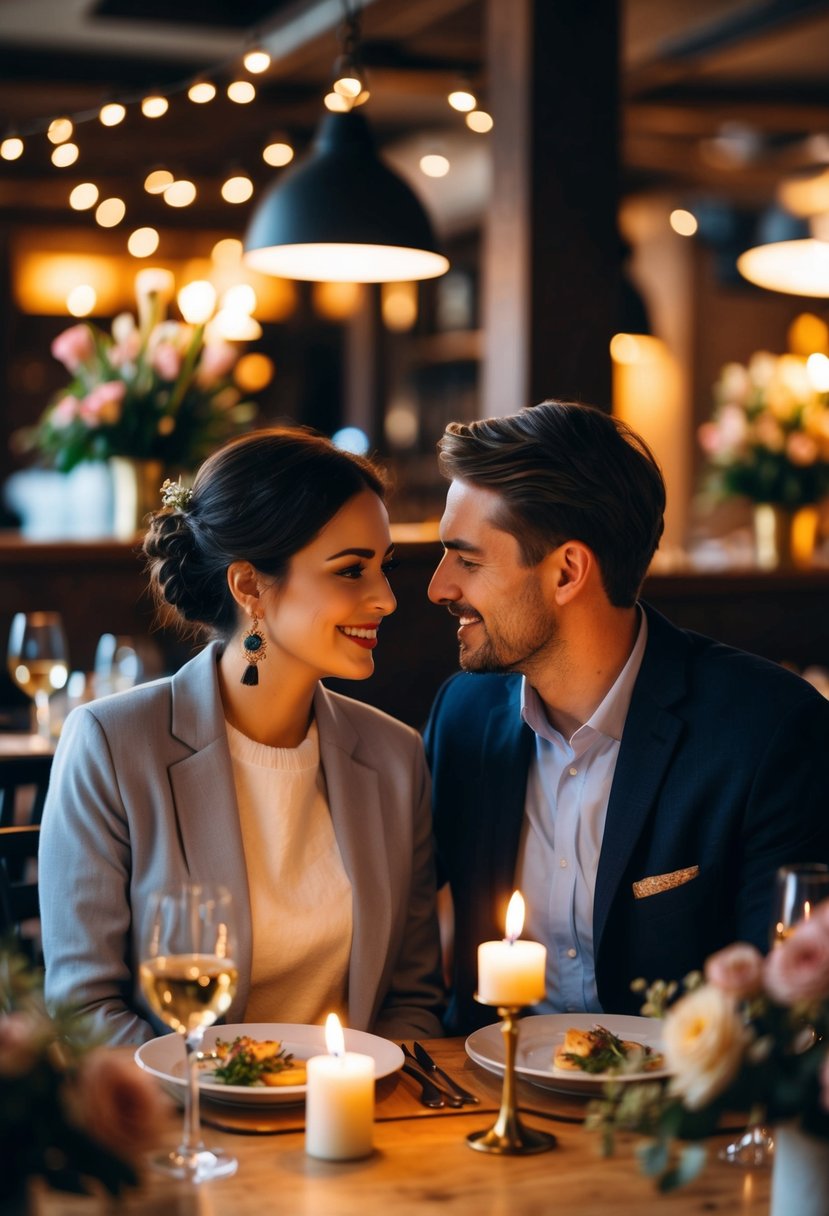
{"x": 650, "y": 736}
{"x": 204, "y": 796}
{"x": 354, "y": 801}
{"x": 505, "y": 759}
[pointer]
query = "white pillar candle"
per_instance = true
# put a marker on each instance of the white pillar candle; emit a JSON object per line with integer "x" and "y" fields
{"x": 339, "y": 1104}
{"x": 511, "y": 972}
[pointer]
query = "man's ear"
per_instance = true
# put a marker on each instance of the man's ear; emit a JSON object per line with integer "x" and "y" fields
{"x": 243, "y": 582}
{"x": 574, "y": 565}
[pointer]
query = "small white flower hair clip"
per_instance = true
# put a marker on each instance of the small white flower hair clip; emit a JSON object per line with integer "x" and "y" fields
{"x": 174, "y": 494}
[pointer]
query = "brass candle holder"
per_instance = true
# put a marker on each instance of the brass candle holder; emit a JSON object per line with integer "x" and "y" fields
{"x": 508, "y": 1135}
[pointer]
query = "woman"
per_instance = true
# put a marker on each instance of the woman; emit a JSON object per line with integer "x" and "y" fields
{"x": 243, "y": 769}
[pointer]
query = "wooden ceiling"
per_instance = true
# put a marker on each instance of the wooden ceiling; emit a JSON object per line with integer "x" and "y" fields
{"x": 721, "y": 98}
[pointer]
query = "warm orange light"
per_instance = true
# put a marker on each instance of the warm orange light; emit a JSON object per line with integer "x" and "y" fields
{"x": 84, "y": 196}
{"x": 253, "y": 372}
{"x": 241, "y": 91}
{"x": 180, "y": 194}
{"x": 110, "y": 212}
{"x": 112, "y": 114}
{"x": 515, "y": 916}
{"x": 64, "y": 155}
{"x": 278, "y": 154}
{"x": 257, "y": 61}
{"x": 11, "y": 148}
{"x": 60, "y": 129}
{"x": 201, "y": 92}
{"x": 237, "y": 189}
{"x": 154, "y": 106}
{"x": 334, "y": 1037}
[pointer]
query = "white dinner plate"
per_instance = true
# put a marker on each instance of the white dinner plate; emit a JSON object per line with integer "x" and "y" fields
{"x": 164, "y": 1058}
{"x": 538, "y": 1037}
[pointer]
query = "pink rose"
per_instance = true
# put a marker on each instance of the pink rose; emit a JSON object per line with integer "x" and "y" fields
{"x": 798, "y": 969}
{"x": 103, "y": 405}
{"x": 74, "y": 346}
{"x": 737, "y": 969}
{"x": 117, "y": 1104}
{"x": 19, "y": 1044}
{"x": 65, "y": 412}
{"x": 166, "y": 360}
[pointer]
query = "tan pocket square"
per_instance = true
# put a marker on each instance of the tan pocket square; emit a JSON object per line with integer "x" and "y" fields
{"x": 663, "y": 882}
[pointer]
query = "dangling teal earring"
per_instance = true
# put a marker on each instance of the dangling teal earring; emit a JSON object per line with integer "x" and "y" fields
{"x": 254, "y": 647}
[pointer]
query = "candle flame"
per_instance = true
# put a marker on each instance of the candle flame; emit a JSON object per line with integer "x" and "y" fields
{"x": 515, "y": 916}
{"x": 334, "y": 1037}
{"x": 807, "y": 909}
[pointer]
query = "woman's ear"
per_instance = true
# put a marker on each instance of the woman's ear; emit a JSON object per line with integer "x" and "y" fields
{"x": 243, "y": 582}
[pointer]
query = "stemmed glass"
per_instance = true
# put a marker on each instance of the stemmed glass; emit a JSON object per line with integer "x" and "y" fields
{"x": 189, "y": 979}
{"x": 38, "y": 660}
{"x": 798, "y": 889}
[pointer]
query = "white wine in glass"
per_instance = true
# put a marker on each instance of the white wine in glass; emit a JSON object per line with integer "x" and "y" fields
{"x": 38, "y": 661}
{"x": 189, "y": 978}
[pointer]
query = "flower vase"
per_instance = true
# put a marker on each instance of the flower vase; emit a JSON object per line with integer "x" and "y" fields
{"x": 800, "y": 1173}
{"x": 784, "y": 537}
{"x": 136, "y": 487}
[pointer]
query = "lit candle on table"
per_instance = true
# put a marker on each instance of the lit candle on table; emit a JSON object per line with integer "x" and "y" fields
{"x": 511, "y": 972}
{"x": 339, "y": 1106}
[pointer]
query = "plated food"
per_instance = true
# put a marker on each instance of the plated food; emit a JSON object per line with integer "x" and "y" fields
{"x": 600, "y": 1050}
{"x": 541, "y": 1036}
{"x": 164, "y": 1058}
{"x": 249, "y": 1061}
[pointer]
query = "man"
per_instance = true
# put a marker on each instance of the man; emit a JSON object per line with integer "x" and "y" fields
{"x": 638, "y": 783}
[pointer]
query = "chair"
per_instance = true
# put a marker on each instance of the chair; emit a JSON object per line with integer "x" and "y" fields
{"x": 21, "y": 775}
{"x": 18, "y": 886}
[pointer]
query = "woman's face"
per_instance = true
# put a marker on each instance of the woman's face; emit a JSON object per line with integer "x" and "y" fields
{"x": 325, "y": 614}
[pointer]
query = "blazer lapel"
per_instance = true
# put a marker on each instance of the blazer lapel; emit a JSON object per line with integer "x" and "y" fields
{"x": 204, "y": 796}
{"x": 356, "y": 813}
{"x": 506, "y": 753}
{"x": 650, "y": 736}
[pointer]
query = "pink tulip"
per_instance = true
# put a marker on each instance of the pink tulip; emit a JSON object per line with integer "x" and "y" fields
{"x": 217, "y": 360}
{"x": 74, "y": 346}
{"x": 65, "y": 412}
{"x": 102, "y": 407}
{"x": 166, "y": 360}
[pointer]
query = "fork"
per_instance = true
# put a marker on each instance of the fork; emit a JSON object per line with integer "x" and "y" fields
{"x": 414, "y": 1068}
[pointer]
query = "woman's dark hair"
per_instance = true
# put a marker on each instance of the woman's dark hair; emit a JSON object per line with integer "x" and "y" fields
{"x": 565, "y": 471}
{"x": 259, "y": 499}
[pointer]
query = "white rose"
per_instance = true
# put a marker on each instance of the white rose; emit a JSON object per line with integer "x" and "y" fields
{"x": 704, "y": 1040}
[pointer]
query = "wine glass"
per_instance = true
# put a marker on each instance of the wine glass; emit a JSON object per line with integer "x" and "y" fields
{"x": 189, "y": 978}
{"x": 117, "y": 663}
{"x": 798, "y": 890}
{"x": 38, "y": 660}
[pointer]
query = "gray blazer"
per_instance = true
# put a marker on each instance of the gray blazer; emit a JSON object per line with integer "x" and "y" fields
{"x": 142, "y": 796}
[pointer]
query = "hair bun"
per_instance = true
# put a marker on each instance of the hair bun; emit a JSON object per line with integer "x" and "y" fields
{"x": 171, "y": 547}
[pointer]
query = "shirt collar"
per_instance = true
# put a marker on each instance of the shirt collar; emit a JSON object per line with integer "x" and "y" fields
{"x": 608, "y": 718}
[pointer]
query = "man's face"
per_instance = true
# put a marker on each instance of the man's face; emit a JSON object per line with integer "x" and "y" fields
{"x": 506, "y": 622}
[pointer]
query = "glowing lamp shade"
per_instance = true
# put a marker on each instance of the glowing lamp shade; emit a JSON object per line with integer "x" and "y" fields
{"x": 786, "y": 257}
{"x": 341, "y": 215}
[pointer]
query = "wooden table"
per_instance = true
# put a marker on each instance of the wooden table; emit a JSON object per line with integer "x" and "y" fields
{"x": 422, "y": 1164}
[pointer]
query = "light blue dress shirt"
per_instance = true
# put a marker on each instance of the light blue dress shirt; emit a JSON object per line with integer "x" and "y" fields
{"x": 568, "y": 788}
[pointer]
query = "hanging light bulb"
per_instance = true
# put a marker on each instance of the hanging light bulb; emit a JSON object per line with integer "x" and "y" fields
{"x": 154, "y": 105}
{"x": 201, "y": 91}
{"x": 237, "y": 189}
{"x": 349, "y": 78}
{"x": 60, "y": 129}
{"x": 112, "y": 113}
{"x": 11, "y": 148}
{"x": 241, "y": 91}
{"x": 278, "y": 153}
{"x": 257, "y": 60}
{"x": 479, "y": 121}
{"x": 83, "y": 196}
{"x": 462, "y": 99}
{"x": 341, "y": 214}
{"x": 157, "y": 181}
{"x": 64, "y": 154}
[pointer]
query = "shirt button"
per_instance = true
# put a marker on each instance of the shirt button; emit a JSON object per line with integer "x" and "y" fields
{"x": 574, "y": 772}
{"x": 563, "y": 863}
{"x": 572, "y": 952}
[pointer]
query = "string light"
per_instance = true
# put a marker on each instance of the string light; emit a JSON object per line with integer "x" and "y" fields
{"x": 59, "y": 130}
{"x": 154, "y": 105}
{"x": 11, "y": 148}
{"x": 683, "y": 222}
{"x": 463, "y": 100}
{"x": 479, "y": 121}
{"x": 143, "y": 242}
{"x": 201, "y": 91}
{"x": 110, "y": 212}
{"x": 336, "y": 103}
{"x": 434, "y": 165}
{"x": 227, "y": 251}
{"x": 180, "y": 193}
{"x": 157, "y": 181}
{"x": 81, "y": 300}
{"x": 64, "y": 154}
{"x": 241, "y": 91}
{"x": 257, "y": 61}
{"x": 278, "y": 154}
{"x": 83, "y": 196}
{"x": 112, "y": 113}
{"x": 237, "y": 189}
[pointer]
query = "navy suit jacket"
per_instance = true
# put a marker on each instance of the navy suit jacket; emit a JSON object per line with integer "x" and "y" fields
{"x": 723, "y": 764}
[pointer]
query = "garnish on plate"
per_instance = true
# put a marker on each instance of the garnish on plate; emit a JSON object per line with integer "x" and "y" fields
{"x": 248, "y": 1061}
{"x": 599, "y": 1050}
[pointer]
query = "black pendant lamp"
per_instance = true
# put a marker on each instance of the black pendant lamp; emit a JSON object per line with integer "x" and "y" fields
{"x": 341, "y": 215}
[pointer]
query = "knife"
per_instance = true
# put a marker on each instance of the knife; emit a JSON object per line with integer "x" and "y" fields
{"x": 430, "y": 1095}
{"x": 450, "y": 1098}
{"x": 428, "y": 1064}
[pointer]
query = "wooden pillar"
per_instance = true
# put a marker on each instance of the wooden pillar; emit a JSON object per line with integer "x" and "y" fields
{"x": 551, "y": 247}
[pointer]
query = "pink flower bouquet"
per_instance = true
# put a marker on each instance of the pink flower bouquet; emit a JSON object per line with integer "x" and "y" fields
{"x": 769, "y": 437}
{"x": 70, "y": 1115}
{"x": 751, "y": 1034}
{"x": 154, "y": 389}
